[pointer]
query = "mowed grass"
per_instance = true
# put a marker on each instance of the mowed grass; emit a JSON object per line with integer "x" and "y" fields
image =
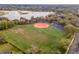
{"x": 26, "y": 37}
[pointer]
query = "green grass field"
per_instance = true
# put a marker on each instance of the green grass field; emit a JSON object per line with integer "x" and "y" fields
{"x": 26, "y": 37}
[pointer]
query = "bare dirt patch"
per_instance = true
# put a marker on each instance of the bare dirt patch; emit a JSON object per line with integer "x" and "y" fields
{"x": 41, "y": 25}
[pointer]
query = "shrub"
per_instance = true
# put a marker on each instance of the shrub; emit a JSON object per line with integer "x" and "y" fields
{"x": 63, "y": 45}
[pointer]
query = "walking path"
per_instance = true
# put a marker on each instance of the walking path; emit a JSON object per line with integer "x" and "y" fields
{"x": 74, "y": 49}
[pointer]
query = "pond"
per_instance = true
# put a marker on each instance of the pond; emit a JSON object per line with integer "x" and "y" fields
{"x": 16, "y": 15}
{"x": 58, "y": 25}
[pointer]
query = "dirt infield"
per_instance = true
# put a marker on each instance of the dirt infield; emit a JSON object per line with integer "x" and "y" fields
{"x": 41, "y": 25}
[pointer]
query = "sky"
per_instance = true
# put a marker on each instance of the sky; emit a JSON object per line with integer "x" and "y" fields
{"x": 39, "y": 1}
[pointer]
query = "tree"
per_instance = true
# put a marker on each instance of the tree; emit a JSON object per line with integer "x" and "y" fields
{"x": 4, "y": 24}
{"x": 70, "y": 29}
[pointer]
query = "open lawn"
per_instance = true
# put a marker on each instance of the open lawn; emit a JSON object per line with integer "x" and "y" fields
{"x": 28, "y": 38}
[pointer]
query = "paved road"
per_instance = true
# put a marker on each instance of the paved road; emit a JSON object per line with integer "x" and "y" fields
{"x": 74, "y": 49}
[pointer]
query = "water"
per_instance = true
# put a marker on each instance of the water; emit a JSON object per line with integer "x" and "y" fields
{"x": 16, "y": 15}
{"x": 59, "y": 26}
